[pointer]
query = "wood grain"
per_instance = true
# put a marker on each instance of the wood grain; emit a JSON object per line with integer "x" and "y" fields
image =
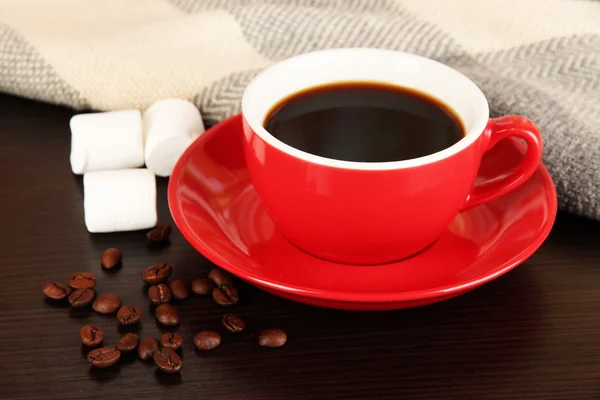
{"x": 531, "y": 334}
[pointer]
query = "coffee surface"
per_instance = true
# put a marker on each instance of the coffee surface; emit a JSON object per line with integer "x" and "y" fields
{"x": 365, "y": 122}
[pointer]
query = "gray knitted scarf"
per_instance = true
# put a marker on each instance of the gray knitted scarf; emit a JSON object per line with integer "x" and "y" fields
{"x": 537, "y": 58}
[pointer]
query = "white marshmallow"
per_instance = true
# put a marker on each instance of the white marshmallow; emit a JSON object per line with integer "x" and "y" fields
{"x": 170, "y": 126}
{"x": 106, "y": 140}
{"x": 119, "y": 200}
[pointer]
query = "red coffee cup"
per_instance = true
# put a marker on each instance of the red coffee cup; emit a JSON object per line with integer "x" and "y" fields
{"x": 375, "y": 212}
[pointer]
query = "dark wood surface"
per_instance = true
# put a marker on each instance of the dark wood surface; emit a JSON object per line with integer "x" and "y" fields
{"x": 531, "y": 334}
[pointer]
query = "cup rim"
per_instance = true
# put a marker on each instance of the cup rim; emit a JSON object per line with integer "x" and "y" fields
{"x": 261, "y": 82}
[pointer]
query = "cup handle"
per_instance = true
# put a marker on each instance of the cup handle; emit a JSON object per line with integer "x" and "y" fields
{"x": 496, "y": 130}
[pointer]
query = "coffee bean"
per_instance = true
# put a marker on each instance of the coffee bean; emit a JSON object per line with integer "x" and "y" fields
{"x": 180, "y": 289}
{"x": 128, "y": 342}
{"x": 168, "y": 360}
{"x": 166, "y": 314}
{"x": 104, "y": 357}
{"x": 82, "y": 280}
{"x": 81, "y": 297}
{"x": 106, "y": 304}
{"x": 56, "y": 290}
{"x": 147, "y": 347}
{"x": 157, "y": 273}
{"x": 171, "y": 340}
{"x": 272, "y": 338}
{"x": 91, "y": 335}
{"x": 233, "y": 323}
{"x": 207, "y": 340}
{"x": 159, "y": 234}
{"x": 129, "y": 315}
{"x": 231, "y": 292}
{"x": 111, "y": 258}
{"x": 159, "y": 294}
{"x": 220, "y": 277}
{"x": 226, "y": 295}
{"x": 203, "y": 286}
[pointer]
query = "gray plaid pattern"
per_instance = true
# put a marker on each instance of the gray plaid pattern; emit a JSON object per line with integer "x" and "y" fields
{"x": 25, "y": 73}
{"x": 555, "y": 82}
{"x": 292, "y": 30}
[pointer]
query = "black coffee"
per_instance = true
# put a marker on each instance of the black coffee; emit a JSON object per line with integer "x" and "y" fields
{"x": 363, "y": 121}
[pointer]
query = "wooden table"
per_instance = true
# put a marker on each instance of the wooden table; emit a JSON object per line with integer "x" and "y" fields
{"x": 531, "y": 334}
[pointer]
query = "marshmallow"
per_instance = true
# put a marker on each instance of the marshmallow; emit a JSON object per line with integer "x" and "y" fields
{"x": 107, "y": 140}
{"x": 119, "y": 200}
{"x": 170, "y": 126}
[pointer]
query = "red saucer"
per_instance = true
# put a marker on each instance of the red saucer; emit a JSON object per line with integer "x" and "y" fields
{"x": 218, "y": 211}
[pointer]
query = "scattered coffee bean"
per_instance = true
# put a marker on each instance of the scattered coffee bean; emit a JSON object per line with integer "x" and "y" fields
{"x": 104, "y": 357}
{"x": 56, "y": 290}
{"x": 233, "y": 323}
{"x": 129, "y": 315}
{"x": 111, "y": 258}
{"x": 166, "y": 314}
{"x": 171, "y": 340}
{"x": 91, "y": 335}
{"x": 106, "y": 304}
{"x": 226, "y": 295}
{"x": 159, "y": 294}
{"x": 203, "y": 286}
{"x": 272, "y": 338}
{"x": 168, "y": 360}
{"x": 147, "y": 347}
{"x": 159, "y": 234}
{"x": 157, "y": 273}
{"x": 82, "y": 280}
{"x": 207, "y": 340}
{"x": 180, "y": 289}
{"x": 128, "y": 342}
{"x": 82, "y": 297}
{"x": 220, "y": 277}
